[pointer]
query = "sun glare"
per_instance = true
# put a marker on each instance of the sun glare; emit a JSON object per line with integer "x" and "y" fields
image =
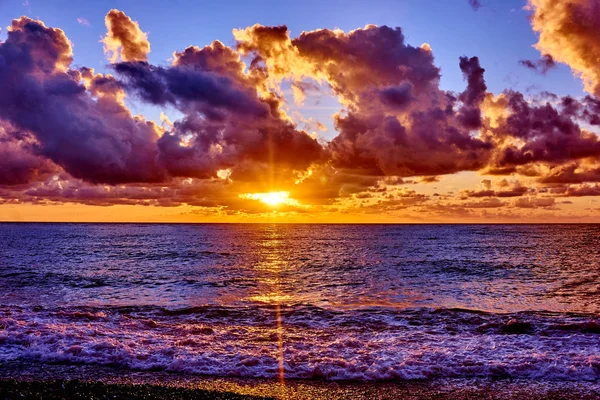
{"x": 272, "y": 198}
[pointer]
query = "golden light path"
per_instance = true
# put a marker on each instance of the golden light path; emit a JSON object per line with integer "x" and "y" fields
{"x": 271, "y": 266}
{"x": 272, "y": 198}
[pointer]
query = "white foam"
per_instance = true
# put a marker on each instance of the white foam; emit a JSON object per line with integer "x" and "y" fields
{"x": 331, "y": 350}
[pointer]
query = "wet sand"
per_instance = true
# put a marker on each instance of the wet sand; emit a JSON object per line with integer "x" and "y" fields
{"x": 75, "y": 389}
{"x": 53, "y": 381}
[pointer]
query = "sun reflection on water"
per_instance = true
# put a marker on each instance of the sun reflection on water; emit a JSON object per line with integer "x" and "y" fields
{"x": 271, "y": 264}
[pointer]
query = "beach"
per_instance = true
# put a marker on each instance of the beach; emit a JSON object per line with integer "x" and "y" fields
{"x": 18, "y": 380}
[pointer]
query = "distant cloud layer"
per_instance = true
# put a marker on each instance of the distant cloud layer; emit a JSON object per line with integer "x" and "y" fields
{"x": 66, "y": 134}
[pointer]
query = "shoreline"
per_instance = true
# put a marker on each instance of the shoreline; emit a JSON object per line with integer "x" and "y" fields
{"x": 68, "y": 381}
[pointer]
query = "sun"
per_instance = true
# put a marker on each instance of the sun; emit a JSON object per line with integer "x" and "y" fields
{"x": 273, "y": 199}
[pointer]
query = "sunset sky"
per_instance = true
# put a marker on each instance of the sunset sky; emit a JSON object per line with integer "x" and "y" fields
{"x": 308, "y": 111}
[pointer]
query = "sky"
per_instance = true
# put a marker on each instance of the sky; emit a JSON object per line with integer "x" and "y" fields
{"x": 308, "y": 111}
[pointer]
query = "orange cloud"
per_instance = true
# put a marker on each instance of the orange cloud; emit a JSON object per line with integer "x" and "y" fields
{"x": 568, "y": 32}
{"x": 124, "y": 39}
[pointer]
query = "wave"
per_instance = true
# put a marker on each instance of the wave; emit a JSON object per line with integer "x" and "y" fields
{"x": 370, "y": 344}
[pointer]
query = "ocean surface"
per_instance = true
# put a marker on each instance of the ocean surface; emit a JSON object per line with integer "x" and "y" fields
{"x": 358, "y": 302}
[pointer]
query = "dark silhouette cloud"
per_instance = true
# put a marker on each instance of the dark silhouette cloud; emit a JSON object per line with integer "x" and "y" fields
{"x": 473, "y": 96}
{"x": 543, "y": 65}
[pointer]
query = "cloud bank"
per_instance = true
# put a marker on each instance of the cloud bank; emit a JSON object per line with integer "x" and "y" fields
{"x": 66, "y": 134}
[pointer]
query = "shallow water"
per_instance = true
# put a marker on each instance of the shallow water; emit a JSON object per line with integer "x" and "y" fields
{"x": 364, "y": 302}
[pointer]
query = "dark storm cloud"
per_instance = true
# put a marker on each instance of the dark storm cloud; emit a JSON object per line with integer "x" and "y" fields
{"x": 204, "y": 91}
{"x": 398, "y": 96}
{"x": 18, "y": 163}
{"x": 94, "y": 140}
{"x": 549, "y": 134}
{"x": 470, "y": 114}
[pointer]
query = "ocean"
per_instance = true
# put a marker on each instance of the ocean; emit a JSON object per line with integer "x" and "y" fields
{"x": 333, "y": 302}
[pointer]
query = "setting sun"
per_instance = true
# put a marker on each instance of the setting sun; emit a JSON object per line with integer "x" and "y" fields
{"x": 272, "y": 198}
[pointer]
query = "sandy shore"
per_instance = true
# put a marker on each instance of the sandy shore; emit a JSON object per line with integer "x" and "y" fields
{"x": 44, "y": 381}
{"x": 75, "y": 389}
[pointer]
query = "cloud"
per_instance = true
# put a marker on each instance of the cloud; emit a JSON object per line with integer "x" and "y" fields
{"x": 473, "y": 96}
{"x": 475, "y": 4}
{"x": 584, "y": 190}
{"x": 527, "y": 133}
{"x": 568, "y": 32}
{"x": 430, "y": 179}
{"x": 64, "y": 189}
{"x": 395, "y": 110}
{"x": 227, "y": 122}
{"x": 81, "y": 124}
{"x": 91, "y": 137}
{"x": 543, "y": 65}
{"x": 300, "y": 89}
{"x": 577, "y": 190}
{"x": 533, "y": 202}
{"x": 572, "y": 173}
{"x": 18, "y": 164}
{"x": 66, "y": 134}
{"x": 515, "y": 191}
{"x": 203, "y": 91}
{"x": 485, "y": 203}
{"x": 124, "y": 39}
{"x": 83, "y": 21}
